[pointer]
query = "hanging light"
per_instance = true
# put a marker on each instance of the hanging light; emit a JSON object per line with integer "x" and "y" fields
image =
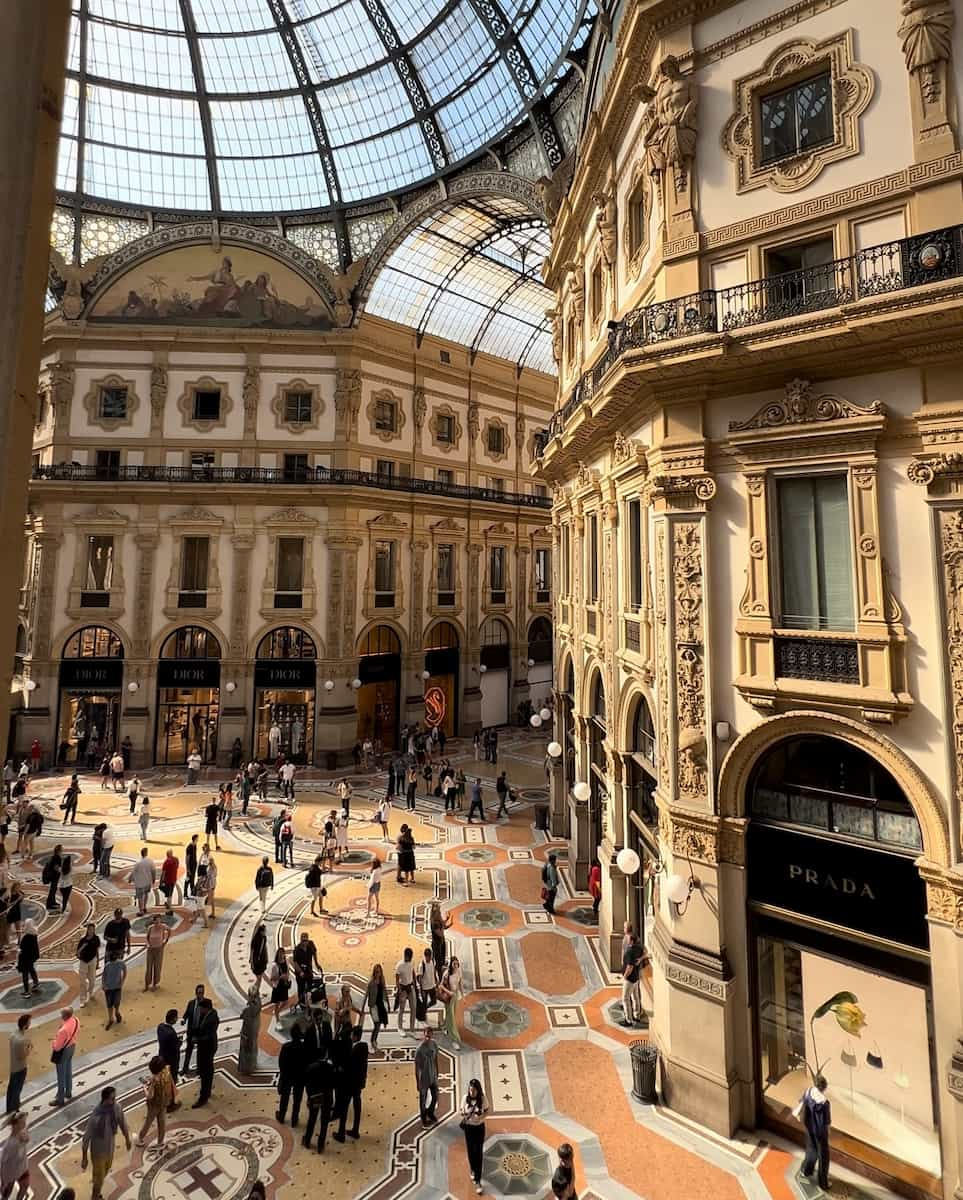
{"x": 678, "y": 890}
{"x": 581, "y": 791}
{"x": 356, "y": 683}
{"x": 627, "y": 861}
{"x": 545, "y": 714}
{"x": 329, "y": 685}
{"x": 535, "y": 720}
{"x": 31, "y": 685}
{"x": 555, "y": 749}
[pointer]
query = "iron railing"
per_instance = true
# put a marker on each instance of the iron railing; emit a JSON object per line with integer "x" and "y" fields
{"x": 817, "y": 659}
{"x": 893, "y": 266}
{"x": 311, "y": 476}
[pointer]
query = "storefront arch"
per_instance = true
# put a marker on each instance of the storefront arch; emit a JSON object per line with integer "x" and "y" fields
{"x": 379, "y": 698}
{"x": 442, "y": 645}
{"x": 104, "y": 632}
{"x": 188, "y": 694}
{"x": 747, "y": 750}
{"x": 91, "y": 678}
{"x": 285, "y": 679}
{"x": 597, "y": 724}
{"x": 496, "y": 681}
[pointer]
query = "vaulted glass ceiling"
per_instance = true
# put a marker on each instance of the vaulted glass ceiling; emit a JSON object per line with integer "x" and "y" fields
{"x": 471, "y": 273}
{"x": 281, "y": 106}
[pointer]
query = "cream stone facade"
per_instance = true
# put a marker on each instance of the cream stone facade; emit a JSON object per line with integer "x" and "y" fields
{"x": 743, "y": 314}
{"x": 243, "y": 481}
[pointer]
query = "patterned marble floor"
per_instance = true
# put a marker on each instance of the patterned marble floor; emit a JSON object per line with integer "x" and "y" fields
{"x": 539, "y": 1022}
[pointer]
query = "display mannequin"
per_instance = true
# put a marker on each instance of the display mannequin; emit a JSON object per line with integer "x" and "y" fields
{"x": 297, "y": 735}
{"x": 274, "y": 739}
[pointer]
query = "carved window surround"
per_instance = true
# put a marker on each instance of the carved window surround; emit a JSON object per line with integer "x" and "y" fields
{"x": 91, "y": 402}
{"x": 386, "y": 528}
{"x": 446, "y": 533}
{"x": 385, "y": 396}
{"x": 185, "y": 404}
{"x": 101, "y": 522}
{"x": 504, "y": 536}
{"x": 194, "y": 522}
{"x": 496, "y": 423}
{"x": 278, "y": 406}
{"x": 635, "y": 237}
{"x": 852, "y": 86}
{"x": 817, "y": 432}
{"x": 290, "y": 522}
{"x": 445, "y": 410}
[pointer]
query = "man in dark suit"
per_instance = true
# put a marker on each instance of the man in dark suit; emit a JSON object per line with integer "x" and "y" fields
{"x": 192, "y": 1018}
{"x": 206, "y": 1038}
{"x": 354, "y": 1080}
{"x": 319, "y": 1089}
{"x": 169, "y": 1044}
{"x": 190, "y": 866}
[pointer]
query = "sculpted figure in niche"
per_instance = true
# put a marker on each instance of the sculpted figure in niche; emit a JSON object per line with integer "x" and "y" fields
{"x": 926, "y": 33}
{"x": 605, "y": 219}
{"x": 343, "y": 287}
{"x": 671, "y": 141}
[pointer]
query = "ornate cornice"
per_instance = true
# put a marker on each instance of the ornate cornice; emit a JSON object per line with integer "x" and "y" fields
{"x": 803, "y": 406}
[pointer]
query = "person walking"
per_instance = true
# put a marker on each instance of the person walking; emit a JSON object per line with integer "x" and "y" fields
{"x": 376, "y": 1002}
{"x": 460, "y": 784}
{"x": 450, "y": 990}
{"x": 427, "y": 979}
{"x": 210, "y": 886}
{"x": 28, "y": 957}
{"x": 65, "y": 885}
{"x": 193, "y": 767}
{"x": 51, "y": 876}
{"x": 258, "y": 956}
{"x": 595, "y": 886}
{"x": 191, "y": 1019}
{"x": 374, "y": 887}
{"x": 288, "y": 772}
{"x": 228, "y": 808}
{"x": 212, "y": 812}
{"x": 159, "y": 1094}
{"x": 355, "y": 1081}
{"x": 169, "y": 1044}
{"x": 100, "y": 1137}
{"x": 69, "y": 802}
{"x": 287, "y": 842}
{"x": 264, "y": 883}
{"x": 438, "y": 924}
{"x": 190, "y": 866}
{"x": 476, "y": 802}
{"x": 341, "y": 835}
{"x": 106, "y": 849}
{"x": 117, "y": 934}
{"x": 206, "y": 1038}
{"x": 381, "y": 816}
{"x": 21, "y": 1047}
{"x": 406, "y": 855}
{"x": 405, "y": 989}
{"x": 157, "y": 937}
{"x": 62, "y": 1056}
{"x": 426, "y": 1077}
{"x": 563, "y": 1177}
{"x": 117, "y": 770}
{"x": 143, "y": 817}
{"x": 143, "y": 877}
{"x": 133, "y": 791}
{"x": 112, "y": 981}
{"x": 280, "y": 980}
{"x": 88, "y": 963}
{"x": 170, "y": 869}
{"x": 411, "y": 788}
{"x": 14, "y": 1164}
{"x": 319, "y": 1088}
{"x": 474, "y": 1109}
{"x": 15, "y": 909}
{"x": 291, "y": 1065}
{"x": 550, "y": 884}
{"x": 313, "y": 882}
{"x": 502, "y": 790}
{"x": 815, "y": 1112}
{"x": 247, "y": 786}
{"x": 305, "y": 962}
{"x": 345, "y": 792}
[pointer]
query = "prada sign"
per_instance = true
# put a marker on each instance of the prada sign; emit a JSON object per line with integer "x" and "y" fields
{"x": 854, "y": 886}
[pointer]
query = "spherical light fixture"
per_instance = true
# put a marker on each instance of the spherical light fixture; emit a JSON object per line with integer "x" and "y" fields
{"x": 677, "y": 889}
{"x": 531, "y": 662}
{"x": 329, "y": 685}
{"x": 230, "y": 687}
{"x": 627, "y": 861}
{"x": 356, "y": 683}
{"x": 133, "y": 686}
{"x": 545, "y": 714}
{"x": 581, "y": 792}
{"x": 425, "y": 674}
{"x": 482, "y": 669}
{"x": 31, "y": 685}
{"x": 535, "y": 721}
{"x": 555, "y": 749}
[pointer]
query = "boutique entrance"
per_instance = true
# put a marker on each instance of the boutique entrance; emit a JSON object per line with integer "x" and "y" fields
{"x": 91, "y": 678}
{"x": 441, "y": 686}
{"x": 188, "y": 696}
{"x": 379, "y": 669}
{"x": 285, "y": 675}
{"x": 840, "y": 956}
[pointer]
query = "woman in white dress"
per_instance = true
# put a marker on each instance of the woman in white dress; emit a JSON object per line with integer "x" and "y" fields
{"x": 341, "y": 835}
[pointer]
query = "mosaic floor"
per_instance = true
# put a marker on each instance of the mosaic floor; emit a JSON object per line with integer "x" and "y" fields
{"x": 539, "y": 1025}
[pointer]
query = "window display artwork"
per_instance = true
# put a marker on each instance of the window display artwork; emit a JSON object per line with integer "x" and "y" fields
{"x": 866, "y": 1032}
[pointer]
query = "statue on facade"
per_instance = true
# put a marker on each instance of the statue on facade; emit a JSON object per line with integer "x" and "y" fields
{"x": 250, "y": 1031}
{"x": 605, "y": 218}
{"x": 75, "y": 277}
{"x": 670, "y": 143}
{"x": 343, "y": 287}
{"x": 926, "y": 34}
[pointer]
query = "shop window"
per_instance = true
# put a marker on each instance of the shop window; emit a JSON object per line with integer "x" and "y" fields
{"x": 112, "y": 404}
{"x": 288, "y": 642}
{"x": 195, "y": 556}
{"x": 191, "y": 641}
{"x": 641, "y": 781}
{"x": 815, "y": 553}
{"x": 634, "y": 565}
{"x": 496, "y": 575}
{"x": 385, "y": 553}
{"x": 495, "y": 439}
{"x": 495, "y": 651}
{"x": 446, "y": 576}
{"x": 93, "y": 642}
{"x": 295, "y": 469}
{"x": 107, "y": 464}
{"x": 598, "y": 772}
{"x": 497, "y": 484}
{"x": 543, "y": 574}
{"x": 297, "y": 408}
{"x": 445, "y": 428}
{"x": 289, "y": 573}
{"x": 796, "y": 119}
{"x": 99, "y": 572}
{"x": 207, "y": 404}
{"x": 386, "y": 416}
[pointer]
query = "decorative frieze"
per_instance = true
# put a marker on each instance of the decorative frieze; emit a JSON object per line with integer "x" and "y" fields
{"x": 687, "y": 585}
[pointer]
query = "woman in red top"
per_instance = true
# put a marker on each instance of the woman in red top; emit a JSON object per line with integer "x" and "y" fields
{"x": 595, "y": 885}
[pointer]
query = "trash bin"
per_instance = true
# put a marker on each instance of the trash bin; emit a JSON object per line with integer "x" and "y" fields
{"x": 541, "y": 817}
{"x": 645, "y": 1059}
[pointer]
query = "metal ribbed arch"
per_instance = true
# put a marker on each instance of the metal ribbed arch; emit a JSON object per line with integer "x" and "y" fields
{"x": 497, "y": 307}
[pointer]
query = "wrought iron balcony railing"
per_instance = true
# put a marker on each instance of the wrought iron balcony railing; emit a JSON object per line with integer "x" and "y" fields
{"x": 907, "y": 263}
{"x": 310, "y": 477}
{"x": 817, "y": 659}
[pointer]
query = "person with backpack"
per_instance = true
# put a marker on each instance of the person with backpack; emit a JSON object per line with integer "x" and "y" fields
{"x": 313, "y": 882}
{"x": 287, "y": 842}
{"x": 212, "y": 814}
{"x": 563, "y": 1177}
{"x": 550, "y": 884}
{"x": 815, "y": 1112}
{"x": 264, "y": 882}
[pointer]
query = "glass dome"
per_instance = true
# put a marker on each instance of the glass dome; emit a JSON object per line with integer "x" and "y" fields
{"x": 281, "y": 106}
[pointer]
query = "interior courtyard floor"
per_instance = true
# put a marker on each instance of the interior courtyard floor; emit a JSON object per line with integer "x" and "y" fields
{"x": 539, "y": 1022}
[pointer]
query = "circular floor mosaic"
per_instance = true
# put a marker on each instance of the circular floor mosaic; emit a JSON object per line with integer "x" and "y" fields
{"x": 497, "y": 1018}
{"x": 476, "y": 854}
{"x": 516, "y": 1166}
{"x": 485, "y": 918}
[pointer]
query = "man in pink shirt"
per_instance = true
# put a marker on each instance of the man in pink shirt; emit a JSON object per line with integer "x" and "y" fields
{"x": 62, "y": 1053}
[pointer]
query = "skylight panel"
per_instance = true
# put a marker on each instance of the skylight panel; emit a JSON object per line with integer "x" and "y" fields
{"x": 67, "y": 164}
{"x": 68, "y": 125}
{"x": 149, "y": 180}
{"x": 359, "y": 108}
{"x": 262, "y": 127}
{"x": 382, "y": 164}
{"x": 270, "y": 184}
{"x": 258, "y": 63}
{"x": 456, "y": 317}
{"x": 398, "y": 296}
{"x": 479, "y": 114}
{"x": 231, "y": 16}
{"x": 152, "y": 14}
{"x": 410, "y": 17}
{"x": 452, "y": 53}
{"x": 340, "y": 43}
{"x": 138, "y": 57}
{"x": 546, "y": 34}
{"x": 144, "y": 121}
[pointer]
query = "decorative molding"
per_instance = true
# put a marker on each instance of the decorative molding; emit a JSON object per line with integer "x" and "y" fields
{"x": 803, "y": 406}
{"x": 347, "y": 403}
{"x": 445, "y": 410}
{"x": 278, "y": 406}
{"x": 639, "y": 192}
{"x": 687, "y": 590}
{"x": 91, "y": 402}
{"x": 290, "y": 516}
{"x": 419, "y": 408}
{"x": 185, "y": 404}
{"x": 760, "y": 31}
{"x": 926, "y": 36}
{"x": 496, "y": 423}
{"x": 386, "y": 396}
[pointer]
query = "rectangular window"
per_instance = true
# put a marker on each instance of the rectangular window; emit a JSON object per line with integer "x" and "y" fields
{"x": 796, "y": 119}
{"x": 386, "y": 416}
{"x": 567, "y": 560}
{"x": 635, "y": 555}
{"x": 540, "y": 490}
{"x": 113, "y": 404}
{"x": 289, "y": 572}
{"x": 571, "y": 338}
{"x": 596, "y": 291}
{"x": 445, "y": 428}
{"x": 385, "y": 467}
{"x": 495, "y": 438}
{"x": 207, "y": 404}
{"x": 202, "y": 460}
{"x": 446, "y": 575}
{"x": 295, "y": 468}
{"x": 195, "y": 555}
{"x": 297, "y": 408}
{"x": 543, "y": 574}
{"x": 443, "y": 475}
{"x": 497, "y": 484}
{"x": 815, "y": 553}
{"x": 637, "y": 221}
{"x": 593, "y": 559}
{"x": 802, "y": 274}
{"x": 99, "y": 573}
{"x": 107, "y": 464}
{"x": 385, "y": 574}
{"x": 496, "y": 574}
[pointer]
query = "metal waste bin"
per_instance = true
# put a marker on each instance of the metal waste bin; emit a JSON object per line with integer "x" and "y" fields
{"x": 645, "y": 1060}
{"x": 541, "y": 817}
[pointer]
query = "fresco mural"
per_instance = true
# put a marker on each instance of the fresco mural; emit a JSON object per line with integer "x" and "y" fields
{"x": 192, "y": 285}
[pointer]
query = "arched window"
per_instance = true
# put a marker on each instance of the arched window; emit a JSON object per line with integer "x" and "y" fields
{"x": 495, "y": 644}
{"x": 643, "y": 731}
{"x": 566, "y": 713}
{"x": 191, "y": 641}
{"x": 287, "y": 642}
{"x": 94, "y": 642}
{"x": 823, "y": 783}
{"x": 382, "y": 639}
{"x": 443, "y": 636}
{"x": 540, "y": 640}
{"x": 640, "y": 779}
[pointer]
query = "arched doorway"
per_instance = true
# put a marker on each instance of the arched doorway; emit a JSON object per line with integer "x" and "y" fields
{"x": 540, "y": 660}
{"x": 379, "y": 669}
{"x": 643, "y": 812}
{"x": 598, "y": 774}
{"x": 839, "y": 953}
{"x": 496, "y": 681}
{"x": 285, "y": 677}
{"x": 188, "y": 696}
{"x": 442, "y": 656}
{"x": 88, "y": 707}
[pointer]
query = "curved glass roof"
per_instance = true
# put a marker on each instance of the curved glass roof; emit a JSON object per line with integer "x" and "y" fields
{"x": 279, "y": 106}
{"x": 472, "y": 273}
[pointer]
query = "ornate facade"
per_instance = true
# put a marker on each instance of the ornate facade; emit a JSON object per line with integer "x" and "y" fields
{"x": 755, "y": 701}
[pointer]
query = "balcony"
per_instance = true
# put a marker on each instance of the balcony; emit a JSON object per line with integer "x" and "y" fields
{"x": 834, "y": 661}
{"x": 912, "y": 262}
{"x": 310, "y": 477}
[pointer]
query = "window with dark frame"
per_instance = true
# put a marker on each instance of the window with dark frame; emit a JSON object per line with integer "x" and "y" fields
{"x": 385, "y": 467}
{"x": 113, "y": 404}
{"x": 796, "y": 119}
{"x": 195, "y": 557}
{"x": 384, "y": 574}
{"x": 446, "y": 575}
{"x": 635, "y": 555}
{"x": 202, "y": 460}
{"x": 637, "y": 220}
{"x": 543, "y": 573}
{"x": 445, "y": 428}
{"x": 495, "y": 439}
{"x": 297, "y": 407}
{"x": 596, "y": 290}
{"x": 295, "y": 468}
{"x": 99, "y": 572}
{"x": 444, "y": 475}
{"x": 593, "y": 563}
{"x": 207, "y": 404}
{"x": 815, "y": 553}
{"x": 496, "y": 575}
{"x": 386, "y": 416}
{"x": 289, "y": 573}
{"x": 107, "y": 464}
